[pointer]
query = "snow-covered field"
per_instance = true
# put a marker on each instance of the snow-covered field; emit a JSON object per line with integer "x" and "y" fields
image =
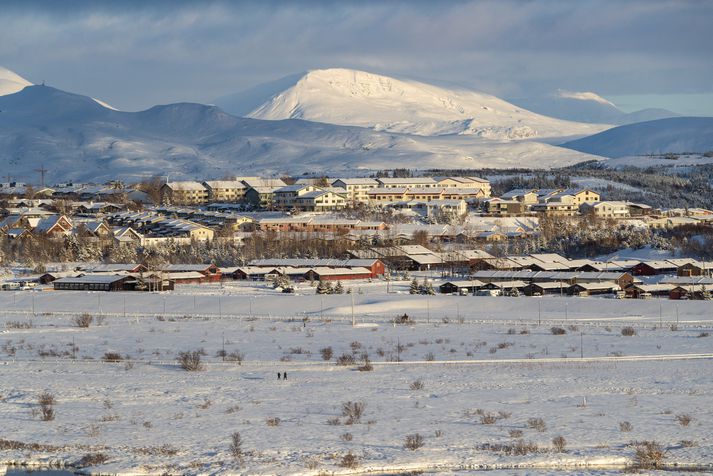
{"x": 487, "y": 366}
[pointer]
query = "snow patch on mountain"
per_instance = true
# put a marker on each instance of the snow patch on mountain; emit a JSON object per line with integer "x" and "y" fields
{"x": 583, "y": 96}
{"x": 358, "y": 98}
{"x": 11, "y": 82}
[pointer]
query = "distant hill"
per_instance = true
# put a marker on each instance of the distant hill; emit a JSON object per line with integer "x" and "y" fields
{"x": 678, "y": 134}
{"x": 587, "y": 107}
{"x": 76, "y": 138}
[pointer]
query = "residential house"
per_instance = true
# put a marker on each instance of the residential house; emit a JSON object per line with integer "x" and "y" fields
{"x": 356, "y": 188}
{"x": 606, "y": 209}
{"x": 184, "y": 193}
{"x": 225, "y": 190}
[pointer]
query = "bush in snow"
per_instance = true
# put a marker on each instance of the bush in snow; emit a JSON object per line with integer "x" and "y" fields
{"x": 46, "y": 401}
{"x": 559, "y": 443}
{"x": 83, "y": 320}
{"x": 190, "y": 361}
{"x": 537, "y": 424}
{"x": 413, "y": 442}
{"x": 349, "y": 460}
{"x": 327, "y": 353}
{"x": 417, "y": 385}
{"x": 353, "y": 411}
{"x": 558, "y": 331}
{"x": 236, "y": 446}
{"x": 628, "y": 331}
{"x": 649, "y": 455}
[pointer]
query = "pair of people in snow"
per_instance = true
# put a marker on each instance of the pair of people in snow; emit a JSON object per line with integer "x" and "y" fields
{"x": 284, "y": 376}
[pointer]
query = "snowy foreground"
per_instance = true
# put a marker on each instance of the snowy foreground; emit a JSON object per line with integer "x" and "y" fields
{"x": 488, "y": 371}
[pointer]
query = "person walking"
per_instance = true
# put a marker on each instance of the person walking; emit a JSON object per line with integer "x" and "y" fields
{"x": 284, "y": 376}
{"x": 278, "y": 375}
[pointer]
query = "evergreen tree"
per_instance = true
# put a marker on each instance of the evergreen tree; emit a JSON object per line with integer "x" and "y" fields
{"x": 339, "y": 289}
{"x": 330, "y": 288}
{"x": 415, "y": 288}
{"x": 322, "y": 288}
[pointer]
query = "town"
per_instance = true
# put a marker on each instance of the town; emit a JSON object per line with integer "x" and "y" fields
{"x": 118, "y": 237}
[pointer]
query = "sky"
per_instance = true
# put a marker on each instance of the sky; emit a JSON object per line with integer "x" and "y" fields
{"x": 135, "y": 54}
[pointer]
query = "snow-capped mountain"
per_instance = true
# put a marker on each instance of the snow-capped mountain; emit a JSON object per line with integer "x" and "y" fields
{"x": 357, "y": 98}
{"x": 587, "y": 107}
{"x": 11, "y": 82}
{"x": 76, "y": 138}
{"x": 678, "y": 134}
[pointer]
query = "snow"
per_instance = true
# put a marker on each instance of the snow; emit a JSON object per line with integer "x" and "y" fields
{"x": 139, "y": 414}
{"x": 358, "y": 98}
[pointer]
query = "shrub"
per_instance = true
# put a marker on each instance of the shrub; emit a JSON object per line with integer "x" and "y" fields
{"x": 346, "y": 359}
{"x": 522, "y": 448}
{"x": 83, "y": 320}
{"x": 628, "y": 331}
{"x": 488, "y": 419}
{"x": 625, "y": 426}
{"x": 559, "y": 443}
{"x": 515, "y": 433}
{"x": 46, "y": 401}
{"x": 91, "y": 459}
{"x": 649, "y": 455}
{"x": 558, "y": 331}
{"x": 429, "y": 357}
{"x": 327, "y": 353}
{"x": 190, "y": 361}
{"x": 413, "y": 442}
{"x": 273, "y": 421}
{"x": 353, "y": 411}
{"x": 334, "y": 421}
{"x": 684, "y": 419}
{"x": 112, "y": 357}
{"x": 349, "y": 460}
{"x": 236, "y": 357}
{"x": 366, "y": 365}
{"x": 417, "y": 385}
{"x": 236, "y": 446}
{"x": 346, "y": 436}
{"x": 537, "y": 424}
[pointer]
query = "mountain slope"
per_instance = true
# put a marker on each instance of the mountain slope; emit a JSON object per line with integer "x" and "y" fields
{"x": 11, "y": 82}
{"x": 678, "y": 134}
{"x": 357, "y": 98}
{"x": 77, "y": 139}
{"x": 587, "y": 107}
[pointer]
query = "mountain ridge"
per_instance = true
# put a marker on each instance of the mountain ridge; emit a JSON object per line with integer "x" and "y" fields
{"x": 77, "y": 139}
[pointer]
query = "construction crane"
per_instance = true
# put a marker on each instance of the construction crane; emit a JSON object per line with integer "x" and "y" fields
{"x": 42, "y": 170}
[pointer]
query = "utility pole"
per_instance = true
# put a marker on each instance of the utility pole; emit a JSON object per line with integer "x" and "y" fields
{"x": 428, "y": 310}
{"x": 539, "y": 313}
{"x": 581, "y": 344}
{"x": 353, "y": 321}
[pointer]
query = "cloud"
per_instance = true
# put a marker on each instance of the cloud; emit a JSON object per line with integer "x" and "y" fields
{"x": 134, "y": 54}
